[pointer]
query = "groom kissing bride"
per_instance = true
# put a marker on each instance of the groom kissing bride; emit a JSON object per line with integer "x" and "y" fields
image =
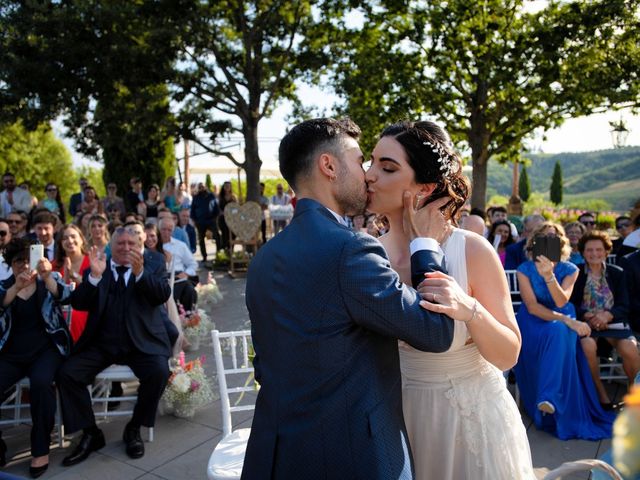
{"x": 327, "y": 311}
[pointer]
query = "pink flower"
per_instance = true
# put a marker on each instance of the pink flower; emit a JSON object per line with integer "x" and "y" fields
{"x": 194, "y": 385}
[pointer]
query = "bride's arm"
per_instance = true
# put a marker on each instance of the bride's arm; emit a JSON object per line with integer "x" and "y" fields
{"x": 488, "y": 313}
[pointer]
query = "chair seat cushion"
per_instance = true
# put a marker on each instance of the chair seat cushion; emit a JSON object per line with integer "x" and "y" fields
{"x": 227, "y": 458}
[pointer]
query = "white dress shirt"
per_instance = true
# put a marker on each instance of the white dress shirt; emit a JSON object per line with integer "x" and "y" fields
{"x": 183, "y": 259}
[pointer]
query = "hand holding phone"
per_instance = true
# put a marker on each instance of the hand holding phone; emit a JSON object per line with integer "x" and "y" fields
{"x": 36, "y": 252}
{"x": 547, "y": 246}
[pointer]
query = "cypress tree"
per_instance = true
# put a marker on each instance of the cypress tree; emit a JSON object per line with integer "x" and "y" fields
{"x": 524, "y": 185}
{"x": 208, "y": 182}
{"x": 555, "y": 190}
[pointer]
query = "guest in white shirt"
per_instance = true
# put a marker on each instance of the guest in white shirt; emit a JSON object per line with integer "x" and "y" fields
{"x": 184, "y": 265}
{"x": 12, "y": 198}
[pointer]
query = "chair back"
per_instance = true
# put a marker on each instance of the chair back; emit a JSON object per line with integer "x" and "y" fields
{"x": 514, "y": 289}
{"x": 233, "y": 352}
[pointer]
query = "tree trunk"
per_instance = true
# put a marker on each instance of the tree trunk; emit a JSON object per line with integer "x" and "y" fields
{"x": 479, "y": 160}
{"x": 252, "y": 161}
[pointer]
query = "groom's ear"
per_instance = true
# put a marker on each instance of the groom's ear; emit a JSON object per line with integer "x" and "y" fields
{"x": 327, "y": 165}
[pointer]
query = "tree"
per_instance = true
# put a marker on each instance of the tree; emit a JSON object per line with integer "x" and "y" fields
{"x": 104, "y": 66}
{"x": 491, "y": 72}
{"x": 208, "y": 183}
{"x": 37, "y": 157}
{"x": 240, "y": 61}
{"x": 524, "y": 186}
{"x": 555, "y": 189}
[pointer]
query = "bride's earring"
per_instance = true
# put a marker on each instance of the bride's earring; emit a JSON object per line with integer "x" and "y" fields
{"x": 418, "y": 199}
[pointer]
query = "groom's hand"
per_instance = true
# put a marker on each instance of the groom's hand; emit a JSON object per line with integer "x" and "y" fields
{"x": 428, "y": 221}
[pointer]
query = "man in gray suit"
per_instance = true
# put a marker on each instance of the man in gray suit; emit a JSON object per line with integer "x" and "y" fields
{"x": 326, "y": 312}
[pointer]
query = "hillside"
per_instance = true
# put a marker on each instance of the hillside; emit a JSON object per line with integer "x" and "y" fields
{"x": 612, "y": 175}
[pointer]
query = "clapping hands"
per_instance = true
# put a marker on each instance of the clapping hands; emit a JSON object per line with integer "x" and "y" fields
{"x": 97, "y": 262}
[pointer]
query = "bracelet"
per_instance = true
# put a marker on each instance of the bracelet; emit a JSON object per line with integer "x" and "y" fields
{"x": 553, "y": 277}
{"x": 474, "y": 310}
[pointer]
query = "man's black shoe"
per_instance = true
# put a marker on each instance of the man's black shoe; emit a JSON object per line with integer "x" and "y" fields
{"x": 90, "y": 442}
{"x": 133, "y": 442}
{"x": 3, "y": 453}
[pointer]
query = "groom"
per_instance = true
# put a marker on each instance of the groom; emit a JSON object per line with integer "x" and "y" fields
{"x": 326, "y": 312}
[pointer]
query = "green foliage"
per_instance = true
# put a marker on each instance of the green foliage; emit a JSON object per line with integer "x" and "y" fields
{"x": 208, "y": 182}
{"x": 269, "y": 186}
{"x": 498, "y": 200}
{"x": 94, "y": 177}
{"x": 524, "y": 185}
{"x": 555, "y": 189}
{"x": 37, "y": 157}
{"x": 490, "y": 71}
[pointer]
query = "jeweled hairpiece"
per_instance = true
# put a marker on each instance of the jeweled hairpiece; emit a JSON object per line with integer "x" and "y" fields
{"x": 445, "y": 159}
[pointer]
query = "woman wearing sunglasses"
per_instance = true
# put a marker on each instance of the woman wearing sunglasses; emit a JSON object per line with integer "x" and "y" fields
{"x": 53, "y": 202}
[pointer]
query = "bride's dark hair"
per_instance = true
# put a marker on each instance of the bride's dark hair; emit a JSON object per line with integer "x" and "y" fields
{"x": 433, "y": 159}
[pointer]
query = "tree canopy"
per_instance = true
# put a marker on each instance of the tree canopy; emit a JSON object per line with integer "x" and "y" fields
{"x": 491, "y": 72}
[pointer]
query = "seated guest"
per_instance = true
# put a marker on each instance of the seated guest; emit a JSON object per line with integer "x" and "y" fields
{"x": 91, "y": 203}
{"x": 632, "y": 241}
{"x": 53, "y": 201}
{"x": 499, "y": 213}
{"x": 17, "y": 222}
{"x": 575, "y": 231}
{"x": 184, "y": 220}
{"x": 184, "y": 265}
{"x": 112, "y": 205}
{"x": 44, "y": 225}
{"x": 600, "y": 299}
{"x": 631, "y": 265}
{"x": 71, "y": 262}
{"x": 588, "y": 219}
{"x": 124, "y": 297}
{"x": 552, "y": 372}
{"x": 473, "y": 223}
{"x": 153, "y": 242}
{"x": 99, "y": 234}
{"x": 502, "y": 229}
{"x": 33, "y": 341}
{"x": 624, "y": 226}
{"x": 178, "y": 233}
{"x": 516, "y": 253}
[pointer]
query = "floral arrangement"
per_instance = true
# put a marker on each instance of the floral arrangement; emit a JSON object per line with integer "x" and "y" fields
{"x": 196, "y": 324}
{"x": 208, "y": 292}
{"x": 188, "y": 388}
{"x": 626, "y": 436}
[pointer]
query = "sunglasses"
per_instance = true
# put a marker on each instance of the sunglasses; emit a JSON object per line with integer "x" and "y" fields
{"x": 622, "y": 225}
{"x": 52, "y": 189}
{"x": 3, "y": 233}
{"x": 14, "y": 221}
{"x": 588, "y": 222}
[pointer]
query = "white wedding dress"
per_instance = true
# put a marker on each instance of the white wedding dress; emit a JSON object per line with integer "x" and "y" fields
{"x": 462, "y": 421}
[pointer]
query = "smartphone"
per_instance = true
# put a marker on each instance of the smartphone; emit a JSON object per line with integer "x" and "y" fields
{"x": 547, "y": 246}
{"x": 36, "y": 252}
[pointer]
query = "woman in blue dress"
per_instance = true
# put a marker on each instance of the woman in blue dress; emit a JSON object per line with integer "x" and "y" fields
{"x": 552, "y": 372}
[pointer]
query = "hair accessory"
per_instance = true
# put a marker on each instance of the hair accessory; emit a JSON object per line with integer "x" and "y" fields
{"x": 445, "y": 159}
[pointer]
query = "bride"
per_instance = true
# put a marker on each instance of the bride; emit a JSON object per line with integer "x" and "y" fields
{"x": 461, "y": 420}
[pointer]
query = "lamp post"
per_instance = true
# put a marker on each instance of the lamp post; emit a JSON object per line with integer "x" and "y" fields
{"x": 619, "y": 133}
{"x": 515, "y": 202}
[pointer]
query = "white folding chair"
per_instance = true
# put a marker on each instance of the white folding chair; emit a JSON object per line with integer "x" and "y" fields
{"x": 514, "y": 291}
{"x": 228, "y": 457}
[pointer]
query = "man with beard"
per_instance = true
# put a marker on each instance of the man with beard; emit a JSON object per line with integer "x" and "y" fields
{"x": 326, "y": 312}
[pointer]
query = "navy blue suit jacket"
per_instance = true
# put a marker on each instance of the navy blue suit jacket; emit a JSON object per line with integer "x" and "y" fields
{"x": 326, "y": 312}
{"x": 515, "y": 255}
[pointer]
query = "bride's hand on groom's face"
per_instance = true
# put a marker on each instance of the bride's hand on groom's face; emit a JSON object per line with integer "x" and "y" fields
{"x": 428, "y": 221}
{"x": 441, "y": 293}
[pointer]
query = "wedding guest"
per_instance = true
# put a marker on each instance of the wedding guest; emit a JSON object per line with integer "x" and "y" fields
{"x": 279, "y": 199}
{"x": 473, "y": 223}
{"x": 153, "y": 241}
{"x": 263, "y": 201}
{"x": 5, "y": 238}
{"x": 26, "y": 186}
{"x": 125, "y": 325}
{"x": 91, "y": 203}
{"x": 600, "y": 299}
{"x": 33, "y": 342}
{"x": 501, "y": 229}
{"x": 78, "y": 197}
{"x": 99, "y": 234}
{"x": 44, "y": 226}
{"x": 631, "y": 265}
{"x": 53, "y": 201}
{"x": 632, "y": 241}
{"x": 168, "y": 195}
{"x": 82, "y": 220}
{"x": 112, "y": 204}
{"x": 499, "y": 213}
{"x": 184, "y": 223}
{"x": 184, "y": 264}
{"x": 516, "y": 253}
{"x": 17, "y": 222}
{"x": 183, "y": 197}
{"x": 552, "y": 373}
{"x": 134, "y": 196}
{"x": 12, "y": 198}
{"x": 149, "y": 208}
{"x": 226, "y": 196}
{"x": 71, "y": 261}
{"x": 588, "y": 219}
{"x": 624, "y": 226}
{"x": 575, "y": 231}
{"x": 204, "y": 213}
{"x": 178, "y": 233}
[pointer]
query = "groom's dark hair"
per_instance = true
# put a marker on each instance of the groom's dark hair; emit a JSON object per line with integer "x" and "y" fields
{"x": 305, "y": 141}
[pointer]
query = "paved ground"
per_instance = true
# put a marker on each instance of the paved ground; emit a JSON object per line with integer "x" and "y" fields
{"x": 181, "y": 447}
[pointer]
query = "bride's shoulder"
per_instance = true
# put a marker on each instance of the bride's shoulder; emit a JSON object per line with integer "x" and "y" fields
{"x": 474, "y": 243}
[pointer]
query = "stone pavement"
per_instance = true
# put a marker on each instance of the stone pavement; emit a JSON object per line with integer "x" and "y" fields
{"x": 181, "y": 448}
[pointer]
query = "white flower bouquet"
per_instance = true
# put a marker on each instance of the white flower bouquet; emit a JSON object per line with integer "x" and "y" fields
{"x": 208, "y": 293}
{"x": 188, "y": 388}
